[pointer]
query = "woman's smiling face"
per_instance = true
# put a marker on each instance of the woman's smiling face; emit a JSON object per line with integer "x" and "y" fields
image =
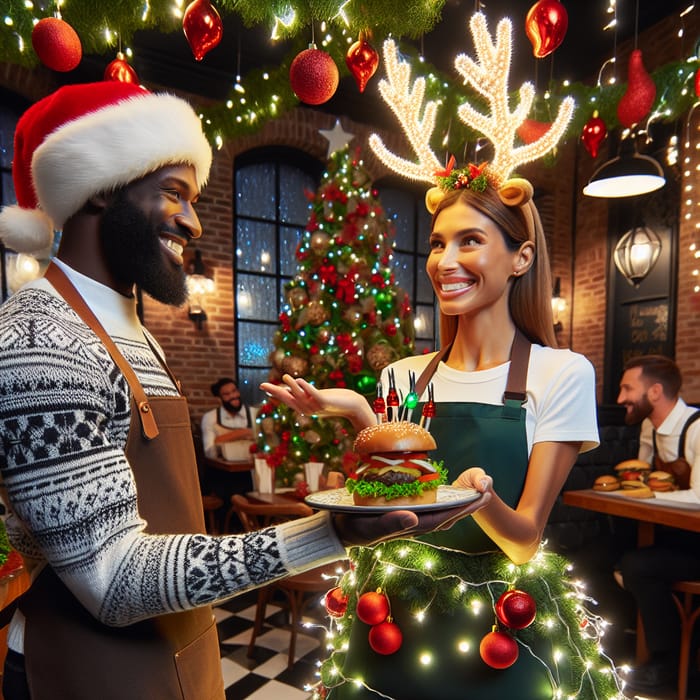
{"x": 470, "y": 266}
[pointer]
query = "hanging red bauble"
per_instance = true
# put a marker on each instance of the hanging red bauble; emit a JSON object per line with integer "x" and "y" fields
{"x": 372, "y": 607}
{"x": 56, "y": 44}
{"x": 545, "y": 25}
{"x": 498, "y": 650}
{"x": 516, "y": 609}
{"x": 531, "y": 130}
{"x": 593, "y": 134}
{"x": 314, "y": 76}
{"x": 385, "y": 638}
{"x": 639, "y": 97}
{"x": 697, "y": 82}
{"x": 362, "y": 61}
{"x": 202, "y": 26}
{"x": 120, "y": 70}
{"x": 336, "y": 602}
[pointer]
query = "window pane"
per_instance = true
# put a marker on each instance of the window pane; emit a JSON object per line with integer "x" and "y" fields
{"x": 7, "y": 130}
{"x": 249, "y": 381}
{"x": 294, "y": 206}
{"x": 423, "y": 320}
{"x": 253, "y": 298}
{"x": 8, "y": 189}
{"x": 424, "y": 290}
{"x": 255, "y": 343}
{"x": 423, "y": 237}
{"x": 289, "y": 240}
{"x": 403, "y": 270}
{"x": 255, "y": 246}
{"x": 399, "y": 207}
{"x": 255, "y": 191}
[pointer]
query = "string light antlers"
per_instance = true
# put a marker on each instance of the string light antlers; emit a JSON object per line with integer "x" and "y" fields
{"x": 406, "y": 103}
{"x": 489, "y": 77}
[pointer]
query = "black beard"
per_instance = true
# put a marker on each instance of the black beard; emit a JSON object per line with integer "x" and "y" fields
{"x": 134, "y": 253}
{"x": 230, "y": 407}
{"x": 640, "y": 410}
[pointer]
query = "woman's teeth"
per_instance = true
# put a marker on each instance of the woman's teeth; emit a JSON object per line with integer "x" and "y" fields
{"x": 454, "y": 286}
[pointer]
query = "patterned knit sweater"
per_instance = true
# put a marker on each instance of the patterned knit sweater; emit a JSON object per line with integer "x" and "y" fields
{"x": 64, "y": 420}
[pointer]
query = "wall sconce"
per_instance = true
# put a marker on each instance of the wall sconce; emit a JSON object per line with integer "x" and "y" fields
{"x": 558, "y": 305}
{"x": 198, "y": 284}
{"x": 636, "y": 254}
{"x": 627, "y": 175}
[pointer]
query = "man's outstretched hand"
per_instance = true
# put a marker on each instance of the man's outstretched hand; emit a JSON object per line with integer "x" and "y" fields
{"x": 358, "y": 529}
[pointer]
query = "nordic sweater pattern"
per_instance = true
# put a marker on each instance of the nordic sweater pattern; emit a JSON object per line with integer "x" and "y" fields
{"x": 64, "y": 421}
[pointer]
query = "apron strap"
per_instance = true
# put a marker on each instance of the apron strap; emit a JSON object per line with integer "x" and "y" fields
{"x": 516, "y": 385}
{"x": 65, "y": 288}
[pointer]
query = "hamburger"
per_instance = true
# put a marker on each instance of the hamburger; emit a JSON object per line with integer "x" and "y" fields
{"x": 394, "y": 468}
{"x": 661, "y": 481}
{"x": 606, "y": 482}
{"x": 633, "y": 470}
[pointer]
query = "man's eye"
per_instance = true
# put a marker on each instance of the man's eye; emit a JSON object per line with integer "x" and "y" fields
{"x": 172, "y": 193}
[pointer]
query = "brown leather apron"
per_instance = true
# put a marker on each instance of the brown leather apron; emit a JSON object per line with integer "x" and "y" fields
{"x": 679, "y": 467}
{"x": 68, "y": 653}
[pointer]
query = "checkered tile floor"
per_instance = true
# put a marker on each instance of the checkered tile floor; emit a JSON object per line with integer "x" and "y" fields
{"x": 266, "y": 677}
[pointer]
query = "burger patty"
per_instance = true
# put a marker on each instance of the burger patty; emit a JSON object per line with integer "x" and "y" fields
{"x": 389, "y": 478}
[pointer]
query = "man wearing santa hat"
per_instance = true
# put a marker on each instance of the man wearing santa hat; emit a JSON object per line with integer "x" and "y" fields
{"x": 97, "y": 462}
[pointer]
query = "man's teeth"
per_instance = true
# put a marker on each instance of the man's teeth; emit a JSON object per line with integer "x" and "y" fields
{"x": 174, "y": 246}
{"x": 454, "y": 286}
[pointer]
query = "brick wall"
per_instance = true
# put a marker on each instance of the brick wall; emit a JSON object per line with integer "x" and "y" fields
{"x": 577, "y": 236}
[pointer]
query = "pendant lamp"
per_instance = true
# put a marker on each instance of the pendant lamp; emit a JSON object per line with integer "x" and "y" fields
{"x": 626, "y": 175}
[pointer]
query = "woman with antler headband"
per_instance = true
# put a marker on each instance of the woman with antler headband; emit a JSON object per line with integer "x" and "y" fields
{"x": 505, "y": 401}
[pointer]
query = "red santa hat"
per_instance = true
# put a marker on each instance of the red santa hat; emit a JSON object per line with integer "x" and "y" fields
{"x": 91, "y": 138}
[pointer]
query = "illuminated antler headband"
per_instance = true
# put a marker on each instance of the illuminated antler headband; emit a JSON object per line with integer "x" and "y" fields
{"x": 490, "y": 78}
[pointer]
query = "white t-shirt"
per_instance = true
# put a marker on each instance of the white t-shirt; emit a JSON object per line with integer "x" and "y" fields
{"x": 560, "y": 404}
{"x": 218, "y": 422}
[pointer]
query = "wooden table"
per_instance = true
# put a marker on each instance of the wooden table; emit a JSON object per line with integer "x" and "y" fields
{"x": 282, "y": 495}
{"x": 648, "y": 513}
{"x": 226, "y": 466}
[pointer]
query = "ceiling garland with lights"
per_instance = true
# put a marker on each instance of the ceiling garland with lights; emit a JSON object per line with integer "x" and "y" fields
{"x": 265, "y": 93}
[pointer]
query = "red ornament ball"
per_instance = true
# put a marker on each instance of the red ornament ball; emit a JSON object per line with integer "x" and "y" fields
{"x": 202, "y": 26}
{"x": 385, "y": 638}
{"x": 372, "y": 608}
{"x": 639, "y": 97}
{"x": 362, "y": 61}
{"x": 593, "y": 134}
{"x": 336, "y": 602}
{"x": 498, "y": 650}
{"x": 545, "y": 25}
{"x": 121, "y": 71}
{"x": 531, "y": 130}
{"x": 314, "y": 76}
{"x": 57, "y": 44}
{"x": 516, "y": 609}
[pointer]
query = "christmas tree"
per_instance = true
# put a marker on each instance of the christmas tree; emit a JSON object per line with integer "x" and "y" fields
{"x": 344, "y": 320}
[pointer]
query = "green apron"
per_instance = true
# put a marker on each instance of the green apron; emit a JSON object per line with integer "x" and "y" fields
{"x": 449, "y": 636}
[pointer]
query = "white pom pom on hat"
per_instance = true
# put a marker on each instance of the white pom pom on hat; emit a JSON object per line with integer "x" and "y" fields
{"x": 90, "y": 138}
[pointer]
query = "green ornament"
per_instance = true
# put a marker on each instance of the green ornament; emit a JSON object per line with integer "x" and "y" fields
{"x": 384, "y": 303}
{"x": 366, "y": 383}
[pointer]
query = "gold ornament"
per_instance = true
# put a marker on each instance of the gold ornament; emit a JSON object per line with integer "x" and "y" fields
{"x": 379, "y": 356}
{"x": 320, "y": 241}
{"x": 296, "y": 366}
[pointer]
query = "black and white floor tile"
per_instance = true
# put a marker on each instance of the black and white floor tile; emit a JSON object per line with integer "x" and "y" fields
{"x": 266, "y": 676}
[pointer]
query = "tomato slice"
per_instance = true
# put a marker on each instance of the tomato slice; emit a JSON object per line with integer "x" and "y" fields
{"x": 429, "y": 477}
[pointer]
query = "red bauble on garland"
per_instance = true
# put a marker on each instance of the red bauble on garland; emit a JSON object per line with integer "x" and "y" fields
{"x": 516, "y": 609}
{"x": 498, "y": 650}
{"x": 372, "y": 607}
{"x": 314, "y": 76}
{"x": 362, "y": 61}
{"x": 639, "y": 97}
{"x": 545, "y": 25}
{"x": 531, "y": 130}
{"x": 121, "y": 71}
{"x": 56, "y": 44}
{"x": 202, "y": 26}
{"x": 593, "y": 134}
{"x": 385, "y": 638}
{"x": 336, "y": 602}
{"x": 697, "y": 83}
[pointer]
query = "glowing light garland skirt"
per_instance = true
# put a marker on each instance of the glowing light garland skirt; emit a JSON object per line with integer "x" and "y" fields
{"x": 442, "y": 600}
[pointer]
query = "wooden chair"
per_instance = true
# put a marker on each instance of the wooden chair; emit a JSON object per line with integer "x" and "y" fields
{"x": 683, "y": 592}
{"x": 296, "y": 588}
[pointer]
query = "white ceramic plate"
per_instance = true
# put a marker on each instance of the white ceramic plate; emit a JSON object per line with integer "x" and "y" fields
{"x": 340, "y": 500}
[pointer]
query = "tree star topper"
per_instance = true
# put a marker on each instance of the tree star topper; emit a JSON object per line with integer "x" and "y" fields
{"x": 337, "y": 138}
{"x": 489, "y": 77}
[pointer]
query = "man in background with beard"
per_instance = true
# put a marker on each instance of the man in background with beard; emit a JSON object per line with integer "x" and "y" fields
{"x": 669, "y": 441}
{"x": 96, "y": 453}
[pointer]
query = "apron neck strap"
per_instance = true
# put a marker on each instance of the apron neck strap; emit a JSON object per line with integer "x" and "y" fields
{"x": 65, "y": 288}
{"x": 516, "y": 384}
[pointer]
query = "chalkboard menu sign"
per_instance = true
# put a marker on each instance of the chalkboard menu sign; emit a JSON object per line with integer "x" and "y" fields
{"x": 644, "y": 329}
